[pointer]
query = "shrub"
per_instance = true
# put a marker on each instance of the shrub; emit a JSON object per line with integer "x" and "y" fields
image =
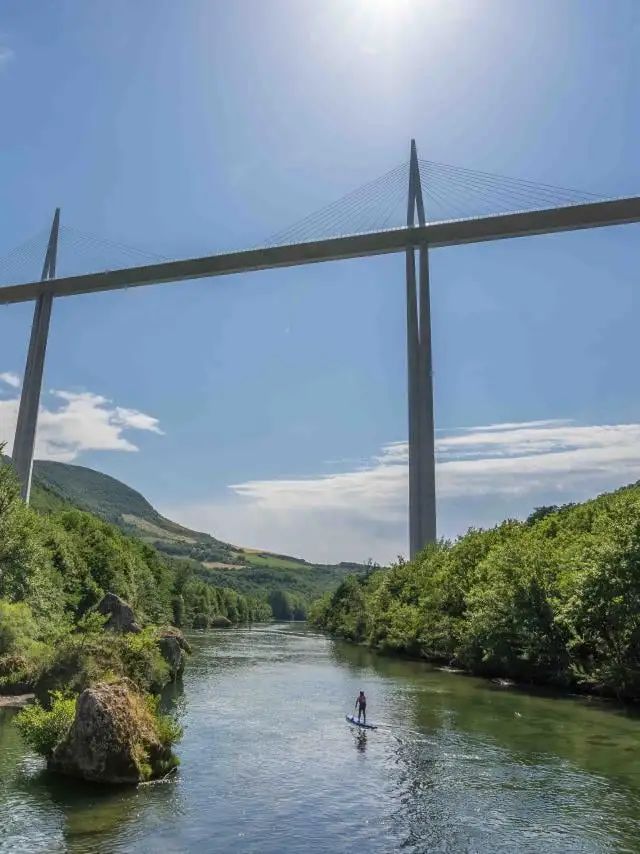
{"x": 555, "y": 599}
{"x": 22, "y": 654}
{"x": 87, "y": 657}
{"x": 167, "y": 728}
{"x": 42, "y": 728}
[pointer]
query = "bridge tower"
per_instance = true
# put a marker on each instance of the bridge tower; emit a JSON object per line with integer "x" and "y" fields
{"x": 24, "y": 441}
{"x": 422, "y": 486}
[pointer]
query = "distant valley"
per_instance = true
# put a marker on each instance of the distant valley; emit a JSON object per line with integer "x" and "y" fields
{"x": 59, "y": 485}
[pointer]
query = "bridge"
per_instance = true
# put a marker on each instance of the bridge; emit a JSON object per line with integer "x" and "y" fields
{"x": 333, "y": 234}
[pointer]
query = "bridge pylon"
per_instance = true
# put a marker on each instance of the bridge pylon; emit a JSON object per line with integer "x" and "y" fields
{"x": 24, "y": 441}
{"x": 422, "y": 487}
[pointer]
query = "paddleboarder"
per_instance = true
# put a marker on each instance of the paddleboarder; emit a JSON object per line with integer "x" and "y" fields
{"x": 361, "y": 706}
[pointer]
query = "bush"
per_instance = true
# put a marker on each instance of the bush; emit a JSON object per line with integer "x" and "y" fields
{"x": 90, "y": 656}
{"x": 555, "y": 599}
{"x": 42, "y": 728}
{"x": 22, "y": 655}
{"x": 168, "y": 730}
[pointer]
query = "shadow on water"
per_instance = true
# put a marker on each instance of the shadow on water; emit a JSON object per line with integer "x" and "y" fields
{"x": 81, "y": 816}
{"x": 270, "y": 765}
{"x": 529, "y": 724}
{"x": 360, "y": 739}
{"x": 502, "y": 742}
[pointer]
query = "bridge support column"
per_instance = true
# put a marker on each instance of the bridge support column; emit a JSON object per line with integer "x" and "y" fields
{"x": 422, "y": 490}
{"x": 24, "y": 441}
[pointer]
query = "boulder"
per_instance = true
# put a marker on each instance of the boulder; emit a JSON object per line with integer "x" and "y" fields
{"x": 113, "y": 738}
{"x": 174, "y": 648}
{"x": 220, "y": 622}
{"x": 121, "y": 616}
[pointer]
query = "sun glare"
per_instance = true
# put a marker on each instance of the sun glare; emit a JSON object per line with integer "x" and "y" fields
{"x": 383, "y": 20}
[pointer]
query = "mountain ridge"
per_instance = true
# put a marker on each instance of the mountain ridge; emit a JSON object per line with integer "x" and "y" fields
{"x": 57, "y": 483}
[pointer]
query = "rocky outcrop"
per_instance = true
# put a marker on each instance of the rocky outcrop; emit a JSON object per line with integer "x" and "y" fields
{"x": 220, "y": 622}
{"x": 174, "y": 648}
{"x": 121, "y": 616}
{"x": 113, "y": 738}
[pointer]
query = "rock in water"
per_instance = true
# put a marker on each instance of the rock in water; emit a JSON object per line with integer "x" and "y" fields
{"x": 113, "y": 738}
{"x": 220, "y": 622}
{"x": 121, "y": 616}
{"x": 174, "y": 646}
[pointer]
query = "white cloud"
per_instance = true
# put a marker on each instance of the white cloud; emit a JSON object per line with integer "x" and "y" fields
{"x": 10, "y": 379}
{"x": 484, "y": 474}
{"x": 75, "y": 422}
{"x": 136, "y": 420}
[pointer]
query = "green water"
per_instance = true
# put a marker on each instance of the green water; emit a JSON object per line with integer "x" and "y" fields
{"x": 269, "y": 764}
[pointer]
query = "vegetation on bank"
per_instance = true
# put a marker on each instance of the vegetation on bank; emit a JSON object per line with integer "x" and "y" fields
{"x": 555, "y": 599}
{"x": 144, "y": 737}
{"x": 253, "y": 574}
{"x": 55, "y": 568}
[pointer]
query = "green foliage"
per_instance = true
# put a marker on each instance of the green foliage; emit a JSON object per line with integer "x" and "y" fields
{"x": 42, "y": 728}
{"x": 22, "y": 655}
{"x": 55, "y": 567}
{"x": 167, "y": 728}
{"x": 555, "y": 599}
{"x": 287, "y": 606}
{"x": 17, "y": 626}
{"x": 91, "y": 655}
{"x": 60, "y": 486}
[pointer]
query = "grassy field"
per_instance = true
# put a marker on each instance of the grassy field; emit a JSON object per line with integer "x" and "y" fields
{"x": 272, "y": 560}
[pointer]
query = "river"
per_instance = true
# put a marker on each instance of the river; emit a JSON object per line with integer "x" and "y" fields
{"x": 270, "y": 765}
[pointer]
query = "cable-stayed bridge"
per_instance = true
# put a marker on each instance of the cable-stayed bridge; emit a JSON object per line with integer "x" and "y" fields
{"x": 416, "y": 207}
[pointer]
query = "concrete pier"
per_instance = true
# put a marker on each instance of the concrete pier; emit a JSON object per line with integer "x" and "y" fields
{"x": 422, "y": 487}
{"x": 24, "y": 441}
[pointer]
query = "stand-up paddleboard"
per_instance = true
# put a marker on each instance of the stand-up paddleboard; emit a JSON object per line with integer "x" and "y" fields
{"x": 353, "y": 720}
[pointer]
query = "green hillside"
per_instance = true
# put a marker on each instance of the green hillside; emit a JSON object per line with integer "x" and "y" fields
{"x": 123, "y": 506}
{"x": 56, "y": 566}
{"x": 58, "y": 486}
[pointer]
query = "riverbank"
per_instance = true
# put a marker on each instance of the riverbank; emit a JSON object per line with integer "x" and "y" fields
{"x": 458, "y": 765}
{"x": 16, "y": 701}
{"x": 554, "y": 600}
{"x": 535, "y": 689}
{"x": 90, "y": 623}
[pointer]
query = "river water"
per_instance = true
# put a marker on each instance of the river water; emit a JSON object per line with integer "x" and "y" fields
{"x": 270, "y": 765}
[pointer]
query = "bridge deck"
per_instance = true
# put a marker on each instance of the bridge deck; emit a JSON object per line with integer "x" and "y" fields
{"x": 449, "y": 233}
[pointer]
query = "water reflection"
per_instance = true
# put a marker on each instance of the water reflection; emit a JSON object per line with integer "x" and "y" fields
{"x": 45, "y": 812}
{"x": 557, "y": 764}
{"x": 453, "y": 766}
{"x": 530, "y": 724}
{"x": 361, "y": 741}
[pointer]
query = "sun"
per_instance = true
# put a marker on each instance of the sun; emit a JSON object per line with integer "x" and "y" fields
{"x": 386, "y": 19}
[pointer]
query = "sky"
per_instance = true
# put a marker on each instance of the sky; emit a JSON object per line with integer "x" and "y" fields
{"x": 270, "y": 408}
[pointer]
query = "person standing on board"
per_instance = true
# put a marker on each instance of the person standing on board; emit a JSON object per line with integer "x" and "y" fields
{"x": 361, "y": 706}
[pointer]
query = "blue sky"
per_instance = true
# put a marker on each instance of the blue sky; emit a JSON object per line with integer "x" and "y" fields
{"x": 191, "y": 127}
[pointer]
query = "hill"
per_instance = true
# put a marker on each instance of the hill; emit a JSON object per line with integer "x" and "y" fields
{"x": 56, "y": 566}
{"x": 250, "y": 571}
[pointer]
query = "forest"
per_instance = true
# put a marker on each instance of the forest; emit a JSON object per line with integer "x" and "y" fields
{"x": 55, "y": 567}
{"x": 551, "y": 600}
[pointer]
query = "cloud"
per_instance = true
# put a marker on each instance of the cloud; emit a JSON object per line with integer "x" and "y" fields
{"x": 10, "y": 379}
{"x": 136, "y": 420}
{"x": 75, "y": 422}
{"x": 483, "y": 474}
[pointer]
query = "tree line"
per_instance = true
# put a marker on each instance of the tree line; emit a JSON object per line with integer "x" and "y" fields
{"x": 55, "y": 568}
{"x": 554, "y": 599}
